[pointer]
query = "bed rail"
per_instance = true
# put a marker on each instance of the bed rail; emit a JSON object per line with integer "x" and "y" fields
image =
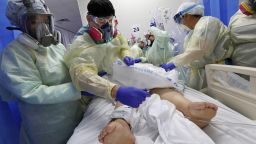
{"x": 240, "y": 100}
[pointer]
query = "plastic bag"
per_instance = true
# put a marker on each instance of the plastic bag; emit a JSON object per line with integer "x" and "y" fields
{"x": 145, "y": 76}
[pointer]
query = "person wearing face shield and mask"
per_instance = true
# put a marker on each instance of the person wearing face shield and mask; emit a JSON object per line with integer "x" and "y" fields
{"x": 93, "y": 53}
{"x": 95, "y": 50}
{"x": 243, "y": 34}
{"x": 206, "y": 43}
{"x": 33, "y": 72}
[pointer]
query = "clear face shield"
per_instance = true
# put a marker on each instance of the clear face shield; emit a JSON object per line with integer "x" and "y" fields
{"x": 40, "y": 27}
{"x": 178, "y": 17}
{"x": 179, "y": 20}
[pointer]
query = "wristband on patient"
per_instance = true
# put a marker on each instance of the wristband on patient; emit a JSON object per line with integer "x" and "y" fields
{"x": 122, "y": 112}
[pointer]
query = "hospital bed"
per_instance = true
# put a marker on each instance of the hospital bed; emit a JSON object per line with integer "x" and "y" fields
{"x": 241, "y": 97}
{"x": 234, "y": 125}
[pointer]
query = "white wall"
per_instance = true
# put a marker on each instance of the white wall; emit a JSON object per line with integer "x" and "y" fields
{"x": 139, "y": 12}
{"x": 82, "y": 4}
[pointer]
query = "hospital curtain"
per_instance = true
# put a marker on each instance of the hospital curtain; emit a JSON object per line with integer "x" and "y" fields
{"x": 5, "y": 35}
{"x": 222, "y": 9}
{"x": 9, "y": 114}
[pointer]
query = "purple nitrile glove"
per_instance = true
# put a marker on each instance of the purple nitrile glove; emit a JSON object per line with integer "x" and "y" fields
{"x": 131, "y": 96}
{"x": 128, "y": 61}
{"x": 168, "y": 66}
{"x": 137, "y": 60}
{"x": 84, "y": 93}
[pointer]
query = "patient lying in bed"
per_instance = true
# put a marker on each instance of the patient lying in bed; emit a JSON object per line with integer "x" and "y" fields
{"x": 118, "y": 131}
{"x": 159, "y": 120}
{"x": 200, "y": 113}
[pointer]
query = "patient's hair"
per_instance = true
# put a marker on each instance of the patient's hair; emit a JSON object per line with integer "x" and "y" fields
{"x": 100, "y": 8}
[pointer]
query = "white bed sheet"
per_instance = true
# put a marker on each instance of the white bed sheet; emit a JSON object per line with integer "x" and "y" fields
{"x": 227, "y": 126}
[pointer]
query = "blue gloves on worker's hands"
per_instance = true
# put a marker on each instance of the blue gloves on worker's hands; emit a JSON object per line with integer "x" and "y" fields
{"x": 168, "y": 66}
{"x": 128, "y": 61}
{"x": 131, "y": 96}
{"x": 85, "y": 93}
{"x": 137, "y": 60}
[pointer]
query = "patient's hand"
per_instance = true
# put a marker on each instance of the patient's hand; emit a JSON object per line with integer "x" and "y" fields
{"x": 117, "y": 132}
{"x": 201, "y": 113}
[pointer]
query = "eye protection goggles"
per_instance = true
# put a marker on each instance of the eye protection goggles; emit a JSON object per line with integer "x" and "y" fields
{"x": 178, "y": 17}
{"x": 103, "y": 20}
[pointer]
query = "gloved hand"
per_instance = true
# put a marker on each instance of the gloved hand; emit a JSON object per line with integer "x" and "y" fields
{"x": 102, "y": 73}
{"x": 131, "y": 96}
{"x": 137, "y": 60}
{"x": 85, "y": 93}
{"x": 168, "y": 66}
{"x": 128, "y": 60}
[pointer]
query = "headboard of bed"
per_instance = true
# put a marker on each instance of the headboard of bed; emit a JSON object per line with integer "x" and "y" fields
{"x": 243, "y": 99}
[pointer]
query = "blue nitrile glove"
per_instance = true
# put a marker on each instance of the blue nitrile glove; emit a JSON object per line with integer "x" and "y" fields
{"x": 84, "y": 93}
{"x": 128, "y": 61}
{"x": 131, "y": 96}
{"x": 102, "y": 73}
{"x": 168, "y": 66}
{"x": 137, "y": 60}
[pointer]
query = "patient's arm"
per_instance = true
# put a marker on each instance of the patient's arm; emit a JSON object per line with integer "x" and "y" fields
{"x": 198, "y": 112}
{"x": 117, "y": 132}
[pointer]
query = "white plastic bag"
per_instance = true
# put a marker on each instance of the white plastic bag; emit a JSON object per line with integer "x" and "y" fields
{"x": 145, "y": 76}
